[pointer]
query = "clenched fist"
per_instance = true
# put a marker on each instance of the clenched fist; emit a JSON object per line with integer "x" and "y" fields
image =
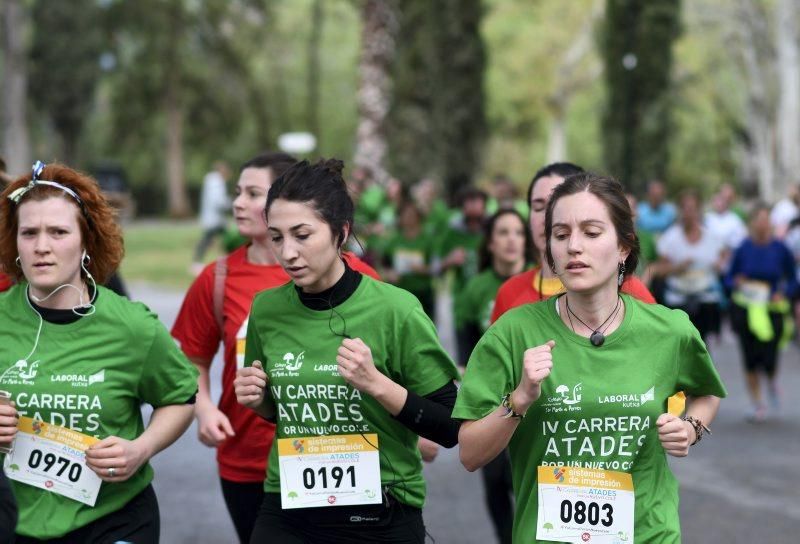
{"x": 249, "y": 385}
{"x": 356, "y": 365}
{"x": 536, "y": 366}
{"x": 675, "y": 434}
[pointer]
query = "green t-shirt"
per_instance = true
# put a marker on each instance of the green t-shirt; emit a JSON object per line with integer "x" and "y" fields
{"x": 598, "y": 406}
{"x": 476, "y": 302}
{"x": 455, "y": 238}
{"x": 438, "y": 218}
{"x": 298, "y": 348}
{"x": 403, "y": 253}
{"x": 90, "y": 376}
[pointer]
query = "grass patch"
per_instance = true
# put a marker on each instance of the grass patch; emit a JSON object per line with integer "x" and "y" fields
{"x": 160, "y": 253}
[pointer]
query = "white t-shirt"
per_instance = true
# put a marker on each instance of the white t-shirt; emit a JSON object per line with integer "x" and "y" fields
{"x": 214, "y": 201}
{"x": 782, "y": 214}
{"x": 701, "y": 276}
{"x": 726, "y": 226}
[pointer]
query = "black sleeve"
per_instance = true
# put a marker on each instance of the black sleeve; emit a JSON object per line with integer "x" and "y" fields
{"x": 430, "y": 416}
{"x": 8, "y": 510}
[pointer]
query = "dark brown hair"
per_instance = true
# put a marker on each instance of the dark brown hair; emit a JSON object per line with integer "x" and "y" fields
{"x": 611, "y": 193}
{"x": 100, "y": 234}
{"x": 321, "y": 186}
{"x": 485, "y": 256}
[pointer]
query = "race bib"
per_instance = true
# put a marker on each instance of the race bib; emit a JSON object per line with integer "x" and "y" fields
{"x": 585, "y": 505}
{"x": 329, "y": 471}
{"x": 754, "y": 292}
{"x": 406, "y": 260}
{"x": 53, "y": 458}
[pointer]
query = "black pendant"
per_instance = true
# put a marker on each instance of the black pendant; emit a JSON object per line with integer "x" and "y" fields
{"x": 597, "y": 338}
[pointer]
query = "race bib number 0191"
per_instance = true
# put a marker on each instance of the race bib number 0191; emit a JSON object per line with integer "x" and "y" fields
{"x": 53, "y": 458}
{"x": 585, "y": 505}
{"x": 329, "y": 471}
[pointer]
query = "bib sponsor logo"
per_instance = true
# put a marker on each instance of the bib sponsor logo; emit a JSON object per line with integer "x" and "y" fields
{"x": 629, "y": 400}
{"x": 20, "y": 373}
{"x": 80, "y": 380}
{"x": 566, "y": 399}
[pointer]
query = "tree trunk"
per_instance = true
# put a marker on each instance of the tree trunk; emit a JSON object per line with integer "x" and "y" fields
{"x": 758, "y": 60}
{"x": 176, "y": 183}
{"x": 788, "y": 112}
{"x": 312, "y": 106}
{"x": 178, "y": 202}
{"x": 379, "y": 21}
{"x": 557, "y": 135}
{"x": 16, "y": 142}
{"x": 570, "y": 79}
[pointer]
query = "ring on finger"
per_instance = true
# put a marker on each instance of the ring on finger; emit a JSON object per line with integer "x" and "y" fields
{"x": 111, "y": 471}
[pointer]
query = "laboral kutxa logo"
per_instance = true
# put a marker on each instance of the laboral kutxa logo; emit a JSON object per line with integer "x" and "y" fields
{"x": 630, "y": 400}
{"x": 80, "y": 380}
{"x": 20, "y": 373}
{"x": 565, "y": 399}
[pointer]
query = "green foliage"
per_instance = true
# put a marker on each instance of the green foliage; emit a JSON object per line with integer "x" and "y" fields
{"x": 65, "y": 53}
{"x": 636, "y": 121}
{"x": 526, "y": 43}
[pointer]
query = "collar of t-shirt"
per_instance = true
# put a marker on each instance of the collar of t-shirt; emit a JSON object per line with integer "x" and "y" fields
{"x": 335, "y": 295}
{"x": 58, "y": 316}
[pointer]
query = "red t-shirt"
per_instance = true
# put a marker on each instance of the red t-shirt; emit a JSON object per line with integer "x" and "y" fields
{"x": 520, "y": 289}
{"x": 241, "y": 458}
{"x": 5, "y": 282}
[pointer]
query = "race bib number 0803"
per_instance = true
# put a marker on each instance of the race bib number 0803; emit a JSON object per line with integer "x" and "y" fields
{"x": 584, "y": 505}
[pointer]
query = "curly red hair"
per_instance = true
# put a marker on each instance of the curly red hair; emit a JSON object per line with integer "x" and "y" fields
{"x": 100, "y": 233}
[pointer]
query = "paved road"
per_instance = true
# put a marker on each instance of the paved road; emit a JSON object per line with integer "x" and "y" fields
{"x": 739, "y": 486}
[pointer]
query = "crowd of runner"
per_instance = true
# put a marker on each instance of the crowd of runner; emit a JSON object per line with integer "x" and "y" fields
{"x": 572, "y": 378}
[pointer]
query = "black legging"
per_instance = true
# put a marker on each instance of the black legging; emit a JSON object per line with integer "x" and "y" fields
{"x": 138, "y": 521}
{"x": 401, "y": 524}
{"x": 757, "y": 355}
{"x": 243, "y": 501}
{"x": 498, "y": 492}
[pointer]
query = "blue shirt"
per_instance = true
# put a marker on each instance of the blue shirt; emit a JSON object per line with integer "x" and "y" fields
{"x": 772, "y": 263}
{"x": 655, "y": 220}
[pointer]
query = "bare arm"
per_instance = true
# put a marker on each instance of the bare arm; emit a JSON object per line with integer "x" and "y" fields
{"x": 212, "y": 425}
{"x": 676, "y": 434}
{"x": 115, "y": 459}
{"x": 482, "y": 440}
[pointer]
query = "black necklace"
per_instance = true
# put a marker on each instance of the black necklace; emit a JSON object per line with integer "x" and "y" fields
{"x": 597, "y": 337}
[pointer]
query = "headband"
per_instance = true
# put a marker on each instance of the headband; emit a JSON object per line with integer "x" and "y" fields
{"x": 17, "y": 194}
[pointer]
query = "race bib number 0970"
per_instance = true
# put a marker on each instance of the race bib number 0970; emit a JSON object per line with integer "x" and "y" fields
{"x": 53, "y": 458}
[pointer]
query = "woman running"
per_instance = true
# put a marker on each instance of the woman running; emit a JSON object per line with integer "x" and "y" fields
{"x": 691, "y": 258}
{"x": 762, "y": 279}
{"x": 576, "y": 387}
{"x": 79, "y": 361}
{"x": 216, "y": 308}
{"x": 504, "y": 251}
{"x": 355, "y": 372}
